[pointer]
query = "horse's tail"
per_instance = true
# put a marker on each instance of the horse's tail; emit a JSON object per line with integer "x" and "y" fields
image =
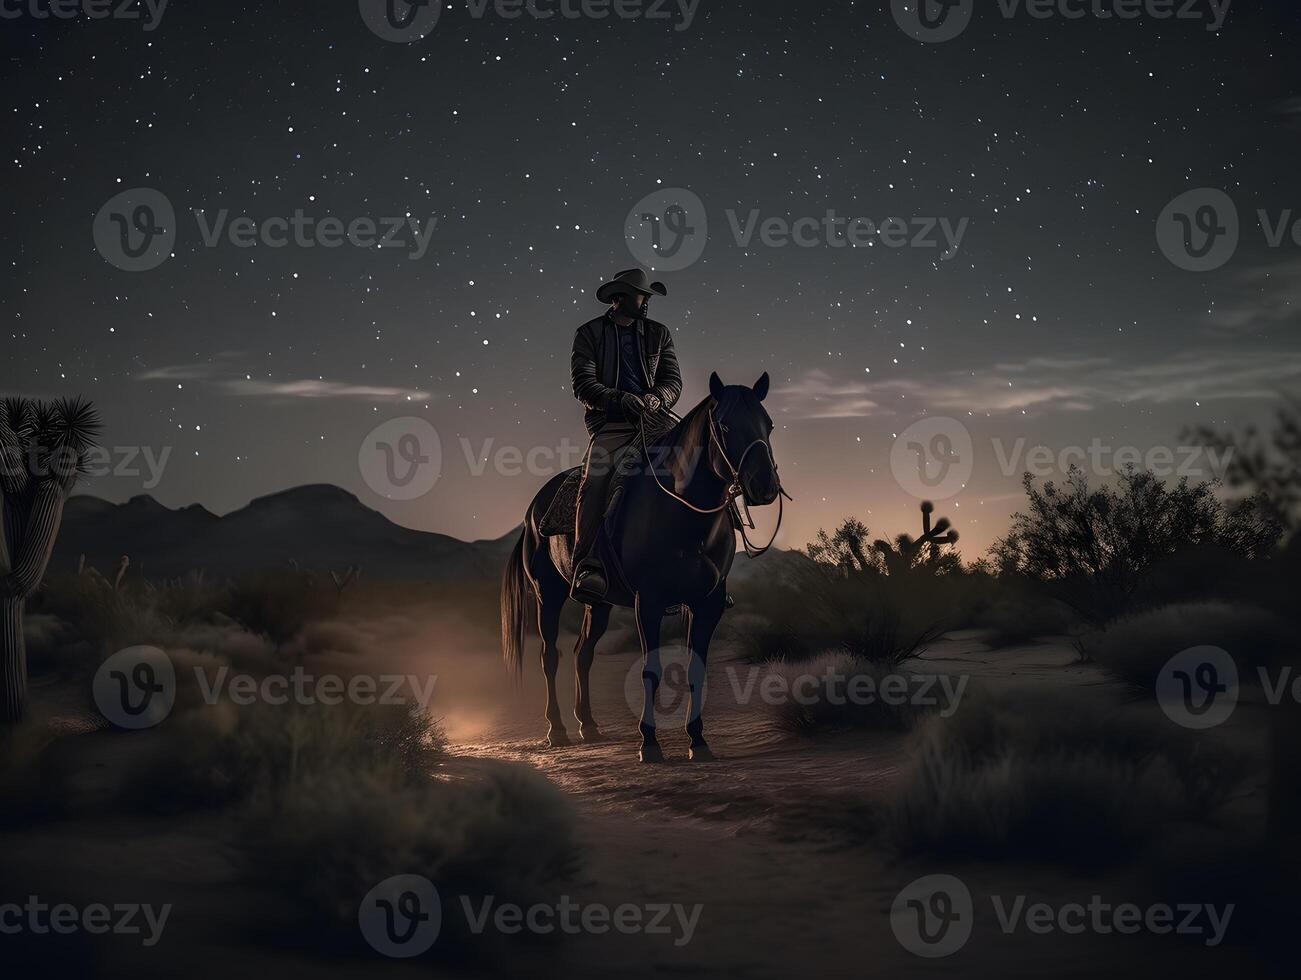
{"x": 515, "y": 587}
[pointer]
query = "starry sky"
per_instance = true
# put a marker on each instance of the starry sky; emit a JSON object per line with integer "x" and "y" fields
{"x": 526, "y": 142}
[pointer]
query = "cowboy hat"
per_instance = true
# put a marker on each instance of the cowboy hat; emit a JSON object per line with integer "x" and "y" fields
{"x": 629, "y": 281}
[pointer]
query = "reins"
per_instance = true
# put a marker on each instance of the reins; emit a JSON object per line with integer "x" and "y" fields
{"x": 734, "y": 489}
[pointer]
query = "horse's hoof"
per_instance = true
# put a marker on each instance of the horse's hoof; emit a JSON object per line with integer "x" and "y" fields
{"x": 701, "y": 753}
{"x": 650, "y": 753}
{"x": 558, "y": 740}
{"x": 591, "y": 735}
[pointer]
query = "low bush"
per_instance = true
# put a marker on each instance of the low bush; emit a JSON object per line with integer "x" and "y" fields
{"x": 1054, "y": 777}
{"x": 1136, "y": 647}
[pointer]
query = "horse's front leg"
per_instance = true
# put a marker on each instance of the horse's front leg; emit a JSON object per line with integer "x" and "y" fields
{"x": 649, "y": 612}
{"x": 705, "y": 617}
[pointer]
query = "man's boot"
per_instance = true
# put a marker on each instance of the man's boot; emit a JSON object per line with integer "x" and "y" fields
{"x": 590, "y": 584}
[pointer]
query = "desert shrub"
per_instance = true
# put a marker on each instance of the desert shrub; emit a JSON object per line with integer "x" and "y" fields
{"x": 1056, "y": 777}
{"x": 1019, "y": 616}
{"x": 102, "y": 618}
{"x": 1136, "y": 647}
{"x": 831, "y": 706}
{"x": 1265, "y": 464}
{"x": 504, "y": 832}
{"x": 218, "y": 754}
{"x": 278, "y": 603}
{"x": 193, "y": 598}
{"x": 1090, "y": 547}
{"x": 871, "y": 617}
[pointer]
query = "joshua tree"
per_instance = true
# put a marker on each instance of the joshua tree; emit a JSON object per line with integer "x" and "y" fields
{"x": 43, "y": 449}
{"x": 903, "y": 555}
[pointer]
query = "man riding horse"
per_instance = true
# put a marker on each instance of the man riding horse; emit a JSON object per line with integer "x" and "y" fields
{"x": 675, "y": 540}
{"x": 625, "y": 373}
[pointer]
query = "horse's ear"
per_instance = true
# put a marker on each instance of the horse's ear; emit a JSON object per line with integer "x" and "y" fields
{"x": 715, "y": 385}
{"x": 761, "y": 387}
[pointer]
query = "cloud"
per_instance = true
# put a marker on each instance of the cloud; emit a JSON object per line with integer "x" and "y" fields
{"x": 1050, "y": 384}
{"x": 249, "y": 387}
{"x": 320, "y": 389}
{"x": 1266, "y": 296}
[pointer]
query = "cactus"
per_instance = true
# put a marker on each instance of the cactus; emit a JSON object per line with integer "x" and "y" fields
{"x": 43, "y": 449}
{"x": 902, "y": 555}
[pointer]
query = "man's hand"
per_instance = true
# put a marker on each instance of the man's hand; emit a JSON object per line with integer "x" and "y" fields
{"x": 652, "y": 403}
{"x": 632, "y": 405}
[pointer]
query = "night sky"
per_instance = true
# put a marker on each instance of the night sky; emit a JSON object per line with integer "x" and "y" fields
{"x": 1057, "y": 319}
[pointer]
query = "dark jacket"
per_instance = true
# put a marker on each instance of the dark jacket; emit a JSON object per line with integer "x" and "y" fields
{"x": 595, "y": 366}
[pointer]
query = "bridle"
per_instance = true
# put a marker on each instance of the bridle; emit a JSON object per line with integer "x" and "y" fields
{"x": 734, "y": 490}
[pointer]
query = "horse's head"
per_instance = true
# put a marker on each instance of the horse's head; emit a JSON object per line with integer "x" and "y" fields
{"x": 741, "y": 450}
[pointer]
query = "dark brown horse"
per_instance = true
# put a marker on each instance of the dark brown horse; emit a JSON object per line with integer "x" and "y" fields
{"x": 674, "y": 543}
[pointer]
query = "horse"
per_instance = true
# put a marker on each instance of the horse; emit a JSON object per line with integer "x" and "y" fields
{"x": 675, "y": 548}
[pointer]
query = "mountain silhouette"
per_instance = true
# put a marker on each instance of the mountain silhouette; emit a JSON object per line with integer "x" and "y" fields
{"x": 317, "y": 526}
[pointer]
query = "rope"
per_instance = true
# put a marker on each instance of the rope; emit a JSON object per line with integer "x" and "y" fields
{"x": 734, "y": 489}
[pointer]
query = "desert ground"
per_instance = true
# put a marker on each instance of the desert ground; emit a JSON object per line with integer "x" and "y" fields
{"x": 778, "y": 842}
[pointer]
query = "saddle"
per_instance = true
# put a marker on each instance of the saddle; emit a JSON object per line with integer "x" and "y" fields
{"x": 563, "y": 512}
